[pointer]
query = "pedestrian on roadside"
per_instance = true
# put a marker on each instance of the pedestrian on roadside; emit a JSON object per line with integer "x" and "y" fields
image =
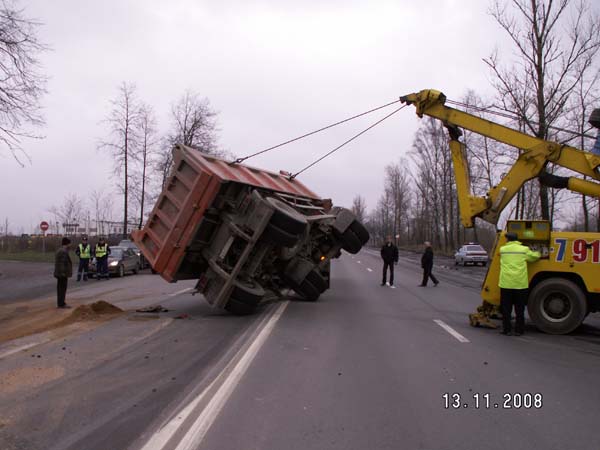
{"x": 101, "y": 253}
{"x": 389, "y": 254}
{"x": 427, "y": 266}
{"x": 514, "y": 282}
{"x": 84, "y": 252}
{"x": 63, "y": 270}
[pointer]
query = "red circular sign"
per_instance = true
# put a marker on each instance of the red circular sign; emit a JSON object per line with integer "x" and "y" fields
{"x": 44, "y": 226}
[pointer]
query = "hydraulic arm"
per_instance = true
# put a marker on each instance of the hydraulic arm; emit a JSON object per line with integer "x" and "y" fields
{"x": 535, "y": 154}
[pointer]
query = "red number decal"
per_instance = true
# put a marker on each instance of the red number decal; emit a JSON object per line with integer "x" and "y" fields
{"x": 596, "y": 252}
{"x": 579, "y": 250}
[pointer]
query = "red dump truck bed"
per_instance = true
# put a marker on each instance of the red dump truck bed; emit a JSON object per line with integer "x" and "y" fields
{"x": 193, "y": 185}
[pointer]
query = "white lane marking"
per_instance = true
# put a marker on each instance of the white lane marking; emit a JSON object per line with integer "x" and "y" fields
{"x": 451, "y": 330}
{"x": 180, "y": 292}
{"x": 231, "y": 376}
{"x": 369, "y": 269}
{"x": 22, "y": 347}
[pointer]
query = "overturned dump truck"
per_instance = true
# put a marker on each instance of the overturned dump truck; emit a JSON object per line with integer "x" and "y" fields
{"x": 246, "y": 234}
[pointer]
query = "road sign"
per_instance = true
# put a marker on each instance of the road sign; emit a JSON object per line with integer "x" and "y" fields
{"x": 44, "y": 226}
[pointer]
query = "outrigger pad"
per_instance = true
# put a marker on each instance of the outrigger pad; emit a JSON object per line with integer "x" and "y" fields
{"x": 485, "y": 312}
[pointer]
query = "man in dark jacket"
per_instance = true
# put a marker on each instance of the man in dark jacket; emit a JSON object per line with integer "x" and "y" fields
{"x": 389, "y": 254}
{"x": 427, "y": 265}
{"x": 63, "y": 270}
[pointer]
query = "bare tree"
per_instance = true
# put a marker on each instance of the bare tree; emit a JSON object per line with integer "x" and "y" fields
{"x": 102, "y": 206}
{"x": 549, "y": 61}
{"x": 194, "y": 125}
{"x": 359, "y": 208}
{"x": 70, "y": 212}
{"x": 123, "y": 126}
{"x": 21, "y": 84}
{"x": 147, "y": 151}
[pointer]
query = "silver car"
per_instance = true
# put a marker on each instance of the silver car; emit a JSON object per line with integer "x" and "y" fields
{"x": 471, "y": 253}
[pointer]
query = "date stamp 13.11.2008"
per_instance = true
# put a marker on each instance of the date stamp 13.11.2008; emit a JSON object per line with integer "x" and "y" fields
{"x": 507, "y": 400}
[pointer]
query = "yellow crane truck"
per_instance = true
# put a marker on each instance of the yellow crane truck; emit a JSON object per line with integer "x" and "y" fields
{"x": 565, "y": 283}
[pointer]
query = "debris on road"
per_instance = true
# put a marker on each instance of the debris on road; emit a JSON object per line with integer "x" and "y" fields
{"x": 99, "y": 310}
{"x": 152, "y": 309}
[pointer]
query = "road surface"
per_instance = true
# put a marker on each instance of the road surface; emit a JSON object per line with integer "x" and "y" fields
{"x": 364, "y": 367}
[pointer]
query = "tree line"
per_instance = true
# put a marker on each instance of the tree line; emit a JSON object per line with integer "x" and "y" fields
{"x": 546, "y": 87}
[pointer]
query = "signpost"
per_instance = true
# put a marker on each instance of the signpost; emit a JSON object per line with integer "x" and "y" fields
{"x": 44, "y": 227}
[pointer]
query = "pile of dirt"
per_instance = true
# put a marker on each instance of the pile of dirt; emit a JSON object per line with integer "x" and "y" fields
{"x": 94, "y": 311}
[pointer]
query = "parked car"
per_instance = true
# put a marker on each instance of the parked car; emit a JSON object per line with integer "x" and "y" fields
{"x": 471, "y": 253}
{"x": 127, "y": 243}
{"x": 120, "y": 261}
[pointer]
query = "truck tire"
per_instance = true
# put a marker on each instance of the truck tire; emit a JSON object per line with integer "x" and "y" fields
{"x": 557, "y": 306}
{"x": 277, "y": 236}
{"x": 286, "y": 218}
{"x": 316, "y": 279}
{"x": 238, "y": 308}
{"x": 360, "y": 231}
{"x": 350, "y": 242}
{"x": 247, "y": 293}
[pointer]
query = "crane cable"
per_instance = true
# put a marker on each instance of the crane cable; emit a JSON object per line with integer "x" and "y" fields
{"x": 240, "y": 160}
{"x": 347, "y": 142}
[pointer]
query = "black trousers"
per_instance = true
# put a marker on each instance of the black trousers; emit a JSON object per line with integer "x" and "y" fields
{"x": 61, "y": 290}
{"x": 427, "y": 275}
{"x": 387, "y": 265}
{"x": 102, "y": 267}
{"x": 508, "y": 299}
{"x": 83, "y": 269}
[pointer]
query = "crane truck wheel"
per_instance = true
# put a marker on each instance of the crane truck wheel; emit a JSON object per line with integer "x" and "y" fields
{"x": 286, "y": 218}
{"x": 277, "y": 236}
{"x": 360, "y": 231}
{"x": 557, "y": 306}
{"x": 350, "y": 242}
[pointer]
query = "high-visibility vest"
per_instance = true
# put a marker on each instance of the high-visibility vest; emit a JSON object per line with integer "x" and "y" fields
{"x": 84, "y": 252}
{"x": 101, "y": 250}
{"x": 514, "y": 257}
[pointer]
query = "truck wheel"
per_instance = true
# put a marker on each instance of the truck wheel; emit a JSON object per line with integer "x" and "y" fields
{"x": 557, "y": 306}
{"x": 249, "y": 293}
{"x": 286, "y": 218}
{"x": 360, "y": 231}
{"x": 281, "y": 237}
{"x": 238, "y": 308}
{"x": 315, "y": 278}
{"x": 350, "y": 242}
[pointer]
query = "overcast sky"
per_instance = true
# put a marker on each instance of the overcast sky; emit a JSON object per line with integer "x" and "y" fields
{"x": 272, "y": 70}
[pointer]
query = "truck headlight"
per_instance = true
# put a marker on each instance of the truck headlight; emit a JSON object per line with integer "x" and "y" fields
{"x": 113, "y": 263}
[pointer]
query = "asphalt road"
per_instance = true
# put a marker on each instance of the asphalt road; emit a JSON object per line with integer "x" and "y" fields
{"x": 364, "y": 367}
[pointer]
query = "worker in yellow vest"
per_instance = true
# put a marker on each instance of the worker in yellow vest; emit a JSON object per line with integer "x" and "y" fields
{"x": 101, "y": 253}
{"x": 514, "y": 282}
{"x": 84, "y": 251}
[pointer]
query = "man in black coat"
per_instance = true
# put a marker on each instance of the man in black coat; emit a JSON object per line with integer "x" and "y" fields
{"x": 427, "y": 265}
{"x": 63, "y": 270}
{"x": 389, "y": 254}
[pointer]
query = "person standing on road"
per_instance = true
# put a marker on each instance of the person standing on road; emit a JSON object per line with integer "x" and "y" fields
{"x": 101, "y": 252}
{"x": 514, "y": 282}
{"x": 389, "y": 254}
{"x": 84, "y": 251}
{"x": 427, "y": 266}
{"x": 63, "y": 270}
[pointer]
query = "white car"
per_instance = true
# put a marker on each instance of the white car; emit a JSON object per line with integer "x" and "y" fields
{"x": 471, "y": 253}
